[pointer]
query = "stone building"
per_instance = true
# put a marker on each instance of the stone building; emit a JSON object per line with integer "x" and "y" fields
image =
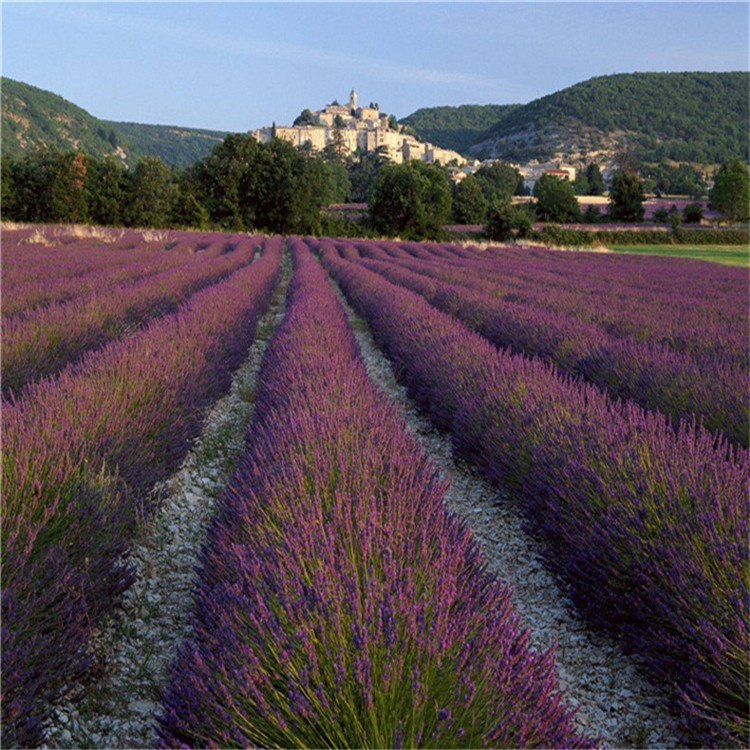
{"x": 358, "y": 128}
{"x": 532, "y": 171}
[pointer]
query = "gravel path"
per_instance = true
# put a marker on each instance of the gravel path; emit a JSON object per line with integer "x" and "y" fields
{"x": 614, "y": 700}
{"x": 135, "y": 650}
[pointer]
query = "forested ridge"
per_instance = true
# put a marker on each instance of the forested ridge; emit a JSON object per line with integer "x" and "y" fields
{"x": 697, "y": 117}
{"x": 694, "y": 117}
{"x": 34, "y": 118}
{"x": 459, "y": 127}
{"x": 174, "y": 145}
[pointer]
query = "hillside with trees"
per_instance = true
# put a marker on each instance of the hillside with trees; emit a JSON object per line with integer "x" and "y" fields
{"x": 174, "y": 145}
{"x": 456, "y": 128}
{"x": 682, "y": 117}
{"x": 669, "y": 121}
{"x": 34, "y": 119}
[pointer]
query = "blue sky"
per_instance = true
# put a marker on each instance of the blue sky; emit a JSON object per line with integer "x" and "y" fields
{"x": 236, "y": 66}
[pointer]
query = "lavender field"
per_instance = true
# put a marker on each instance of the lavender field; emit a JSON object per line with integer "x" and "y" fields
{"x": 334, "y": 600}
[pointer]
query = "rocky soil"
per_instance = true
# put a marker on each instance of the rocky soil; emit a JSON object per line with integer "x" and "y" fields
{"x": 614, "y": 699}
{"x": 116, "y": 707}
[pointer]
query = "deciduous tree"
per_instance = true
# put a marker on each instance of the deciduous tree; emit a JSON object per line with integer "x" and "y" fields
{"x": 469, "y": 203}
{"x": 227, "y": 181}
{"x": 499, "y": 181}
{"x": 626, "y": 197}
{"x": 411, "y": 200}
{"x": 556, "y": 200}
{"x": 304, "y": 118}
{"x": 506, "y": 222}
{"x": 731, "y": 191}
{"x": 150, "y": 194}
{"x": 105, "y": 184}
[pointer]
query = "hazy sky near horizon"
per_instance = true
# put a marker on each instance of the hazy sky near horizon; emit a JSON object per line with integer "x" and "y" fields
{"x": 236, "y": 66}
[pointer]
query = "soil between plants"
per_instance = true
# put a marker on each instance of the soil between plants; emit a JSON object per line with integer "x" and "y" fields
{"x": 614, "y": 699}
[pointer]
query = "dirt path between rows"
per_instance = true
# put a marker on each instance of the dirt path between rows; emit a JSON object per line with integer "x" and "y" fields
{"x": 614, "y": 700}
{"x": 135, "y": 650}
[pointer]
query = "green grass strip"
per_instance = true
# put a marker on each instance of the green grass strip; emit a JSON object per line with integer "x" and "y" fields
{"x": 729, "y": 255}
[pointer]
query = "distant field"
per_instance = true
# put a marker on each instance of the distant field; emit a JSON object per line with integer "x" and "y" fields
{"x": 729, "y": 255}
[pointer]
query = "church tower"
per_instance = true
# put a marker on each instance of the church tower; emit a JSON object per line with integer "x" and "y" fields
{"x": 353, "y": 99}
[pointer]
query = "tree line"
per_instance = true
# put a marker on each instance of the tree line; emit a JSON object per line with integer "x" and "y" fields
{"x": 241, "y": 185}
{"x": 244, "y": 185}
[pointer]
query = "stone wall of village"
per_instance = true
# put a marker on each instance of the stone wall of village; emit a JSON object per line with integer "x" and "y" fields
{"x": 357, "y": 128}
{"x": 367, "y": 129}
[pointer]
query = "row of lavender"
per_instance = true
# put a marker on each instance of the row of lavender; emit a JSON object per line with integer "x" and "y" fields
{"x": 41, "y": 341}
{"x": 693, "y": 380}
{"x": 77, "y": 253}
{"x": 647, "y": 524}
{"x": 40, "y": 276}
{"x": 688, "y": 305}
{"x": 80, "y": 455}
{"x": 52, "y": 278}
{"x": 338, "y": 603}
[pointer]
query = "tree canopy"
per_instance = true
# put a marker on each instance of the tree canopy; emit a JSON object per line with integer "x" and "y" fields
{"x": 731, "y": 191}
{"x": 499, "y": 181}
{"x": 556, "y": 199}
{"x": 412, "y": 200}
{"x": 304, "y": 118}
{"x": 626, "y": 197}
{"x": 241, "y": 185}
{"x": 469, "y": 202}
{"x": 506, "y": 221}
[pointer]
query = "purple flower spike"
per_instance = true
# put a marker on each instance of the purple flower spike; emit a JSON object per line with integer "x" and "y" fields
{"x": 335, "y": 527}
{"x": 644, "y": 515}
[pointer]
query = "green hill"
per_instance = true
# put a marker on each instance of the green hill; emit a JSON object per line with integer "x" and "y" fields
{"x": 700, "y": 118}
{"x": 172, "y": 144}
{"x": 685, "y": 117}
{"x": 33, "y": 118}
{"x": 457, "y": 128}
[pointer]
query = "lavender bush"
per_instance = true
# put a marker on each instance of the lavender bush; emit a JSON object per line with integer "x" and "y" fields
{"x": 40, "y": 250}
{"x": 338, "y": 603}
{"x": 41, "y": 342}
{"x": 690, "y": 306}
{"x": 80, "y": 454}
{"x": 38, "y": 276}
{"x": 648, "y": 525}
{"x": 710, "y": 385}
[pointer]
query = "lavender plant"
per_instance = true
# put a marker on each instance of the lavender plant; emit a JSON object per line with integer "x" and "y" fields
{"x": 36, "y": 277}
{"x": 691, "y": 307}
{"x": 43, "y": 341}
{"x": 647, "y": 524}
{"x": 338, "y": 603}
{"x": 80, "y": 454}
{"x": 711, "y": 386}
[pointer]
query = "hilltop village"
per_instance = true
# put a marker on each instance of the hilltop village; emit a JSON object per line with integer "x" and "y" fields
{"x": 350, "y": 128}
